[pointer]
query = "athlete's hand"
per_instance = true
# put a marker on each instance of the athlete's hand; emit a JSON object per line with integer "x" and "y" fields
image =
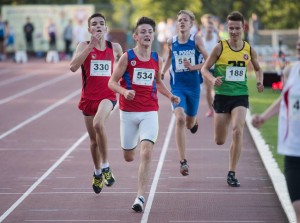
{"x": 175, "y": 100}
{"x": 129, "y": 94}
{"x": 257, "y": 121}
{"x": 260, "y": 87}
{"x": 217, "y": 81}
{"x": 93, "y": 41}
{"x": 187, "y": 64}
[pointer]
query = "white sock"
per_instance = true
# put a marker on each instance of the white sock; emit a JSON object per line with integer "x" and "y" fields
{"x": 104, "y": 165}
{"x": 98, "y": 172}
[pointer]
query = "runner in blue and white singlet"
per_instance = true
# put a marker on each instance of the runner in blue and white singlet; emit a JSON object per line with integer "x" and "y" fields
{"x": 184, "y": 82}
{"x": 186, "y": 52}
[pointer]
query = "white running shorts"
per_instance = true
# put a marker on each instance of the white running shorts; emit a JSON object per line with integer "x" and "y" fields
{"x": 138, "y": 125}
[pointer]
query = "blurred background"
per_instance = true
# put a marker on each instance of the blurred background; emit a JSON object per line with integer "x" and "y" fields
{"x": 272, "y": 23}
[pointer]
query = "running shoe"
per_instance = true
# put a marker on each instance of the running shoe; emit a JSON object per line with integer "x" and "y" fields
{"x": 138, "y": 205}
{"x": 108, "y": 177}
{"x": 97, "y": 183}
{"x": 184, "y": 167}
{"x": 231, "y": 180}
{"x": 195, "y": 128}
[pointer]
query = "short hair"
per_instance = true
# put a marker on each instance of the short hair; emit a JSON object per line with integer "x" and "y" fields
{"x": 235, "y": 16}
{"x": 94, "y": 16}
{"x": 187, "y": 12}
{"x": 145, "y": 20}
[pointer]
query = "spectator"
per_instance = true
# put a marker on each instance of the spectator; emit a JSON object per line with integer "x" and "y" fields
{"x": 68, "y": 37}
{"x": 28, "y": 32}
{"x": 254, "y": 26}
{"x": 51, "y": 33}
{"x": 2, "y": 39}
{"x": 10, "y": 37}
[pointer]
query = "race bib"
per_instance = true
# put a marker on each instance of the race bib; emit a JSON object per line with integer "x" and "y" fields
{"x": 179, "y": 62}
{"x": 294, "y": 107}
{"x": 142, "y": 76}
{"x": 235, "y": 73}
{"x": 100, "y": 68}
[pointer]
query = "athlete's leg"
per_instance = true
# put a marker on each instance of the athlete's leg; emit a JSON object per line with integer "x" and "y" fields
{"x": 129, "y": 133}
{"x": 296, "y": 205}
{"x": 221, "y": 123}
{"x": 93, "y": 143}
{"x": 238, "y": 116}
{"x": 190, "y": 121}
{"x": 191, "y": 110}
{"x": 144, "y": 167}
{"x": 180, "y": 131}
{"x": 209, "y": 98}
{"x": 104, "y": 109}
{"x": 148, "y": 128}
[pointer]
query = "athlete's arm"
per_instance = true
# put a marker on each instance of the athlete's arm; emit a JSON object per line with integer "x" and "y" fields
{"x": 82, "y": 51}
{"x": 286, "y": 72}
{"x": 258, "y": 71}
{"x": 258, "y": 120}
{"x": 161, "y": 87}
{"x": 117, "y": 51}
{"x": 168, "y": 60}
{"x": 200, "y": 47}
{"x": 211, "y": 60}
{"x": 117, "y": 74}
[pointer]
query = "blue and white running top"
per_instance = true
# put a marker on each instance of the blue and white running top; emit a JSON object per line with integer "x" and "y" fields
{"x": 182, "y": 78}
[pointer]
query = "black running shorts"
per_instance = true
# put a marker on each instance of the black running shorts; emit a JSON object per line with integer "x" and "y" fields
{"x": 225, "y": 104}
{"x": 292, "y": 175}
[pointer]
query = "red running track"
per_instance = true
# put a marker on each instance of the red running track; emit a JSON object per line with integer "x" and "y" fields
{"x": 46, "y": 166}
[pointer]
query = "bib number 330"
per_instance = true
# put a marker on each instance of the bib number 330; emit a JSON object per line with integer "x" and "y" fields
{"x": 100, "y": 68}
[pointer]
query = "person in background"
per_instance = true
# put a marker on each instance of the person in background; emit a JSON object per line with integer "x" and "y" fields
{"x": 185, "y": 51}
{"x": 288, "y": 108}
{"x": 210, "y": 39}
{"x": 51, "y": 34}
{"x": 229, "y": 79}
{"x": 68, "y": 38}
{"x": 96, "y": 59}
{"x": 2, "y": 39}
{"x": 10, "y": 38}
{"x": 139, "y": 70}
{"x": 28, "y": 30}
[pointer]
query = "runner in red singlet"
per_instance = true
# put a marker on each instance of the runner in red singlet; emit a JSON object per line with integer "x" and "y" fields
{"x": 96, "y": 59}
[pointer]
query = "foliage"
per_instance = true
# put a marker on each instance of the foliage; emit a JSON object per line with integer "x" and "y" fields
{"x": 274, "y": 14}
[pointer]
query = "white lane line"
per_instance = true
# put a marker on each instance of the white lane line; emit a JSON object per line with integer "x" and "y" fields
{"x": 19, "y": 78}
{"x": 43, "y": 177}
{"x": 72, "y": 220}
{"x": 158, "y": 171}
{"x": 88, "y": 191}
{"x": 37, "y": 87}
{"x": 230, "y": 221}
{"x": 40, "y": 114}
{"x": 277, "y": 177}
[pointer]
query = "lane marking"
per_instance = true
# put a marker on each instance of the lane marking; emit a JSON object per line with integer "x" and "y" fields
{"x": 37, "y": 87}
{"x": 248, "y": 221}
{"x": 132, "y": 192}
{"x": 72, "y": 220}
{"x": 158, "y": 171}
{"x": 56, "y": 164}
{"x": 40, "y": 114}
{"x": 43, "y": 177}
{"x": 19, "y": 78}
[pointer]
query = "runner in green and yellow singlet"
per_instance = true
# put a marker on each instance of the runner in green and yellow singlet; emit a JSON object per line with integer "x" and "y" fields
{"x": 231, "y": 58}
